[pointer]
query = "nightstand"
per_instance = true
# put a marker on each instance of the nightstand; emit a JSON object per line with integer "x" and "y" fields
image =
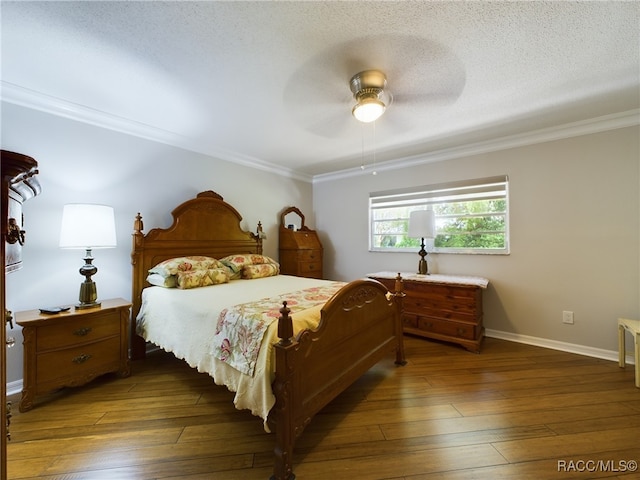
{"x": 442, "y": 307}
{"x": 72, "y": 348}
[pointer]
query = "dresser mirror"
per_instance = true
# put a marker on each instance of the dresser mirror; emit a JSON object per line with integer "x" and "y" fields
{"x": 292, "y": 218}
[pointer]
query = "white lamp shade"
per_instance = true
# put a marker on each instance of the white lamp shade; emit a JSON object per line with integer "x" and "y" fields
{"x": 87, "y": 226}
{"x": 421, "y": 224}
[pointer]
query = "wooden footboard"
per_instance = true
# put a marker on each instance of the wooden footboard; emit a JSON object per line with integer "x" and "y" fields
{"x": 359, "y": 326}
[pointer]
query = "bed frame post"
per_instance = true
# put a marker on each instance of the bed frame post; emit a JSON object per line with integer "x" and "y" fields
{"x": 138, "y": 345}
{"x": 398, "y": 298}
{"x": 283, "y": 389}
{"x": 259, "y": 236}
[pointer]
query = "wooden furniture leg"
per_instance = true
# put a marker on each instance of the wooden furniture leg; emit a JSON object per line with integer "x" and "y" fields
{"x": 633, "y": 327}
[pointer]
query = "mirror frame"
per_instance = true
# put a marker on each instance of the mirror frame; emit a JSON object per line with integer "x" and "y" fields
{"x": 289, "y": 210}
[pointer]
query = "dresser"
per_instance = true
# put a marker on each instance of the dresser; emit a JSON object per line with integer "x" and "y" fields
{"x": 442, "y": 307}
{"x": 300, "y": 249}
{"x": 71, "y": 348}
{"x": 19, "y": 184}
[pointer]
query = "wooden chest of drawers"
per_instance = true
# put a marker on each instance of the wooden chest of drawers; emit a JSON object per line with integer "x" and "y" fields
{"x": 442, "y": 307}
{"x": 300, "y": 250}
{"x": 305, "y": 260}
{"x": 70, "y": 349}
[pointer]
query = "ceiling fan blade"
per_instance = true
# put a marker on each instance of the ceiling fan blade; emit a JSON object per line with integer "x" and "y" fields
{"x": 318, "y": 95}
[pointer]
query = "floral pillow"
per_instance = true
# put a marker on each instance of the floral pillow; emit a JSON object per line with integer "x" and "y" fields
{"x": 173, "y": 266}
{"x": 260, "y": 271}
{"x": 202, "y": 278}
{"x": 236, "y": 263}
{"x": 162, "y": 281}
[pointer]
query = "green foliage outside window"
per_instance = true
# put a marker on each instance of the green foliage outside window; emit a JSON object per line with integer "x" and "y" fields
{"x": 464, "y": 222}
{"x": 473, "y": 224}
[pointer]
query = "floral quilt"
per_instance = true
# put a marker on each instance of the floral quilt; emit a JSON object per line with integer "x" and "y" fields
{"x": 240, "y": 328}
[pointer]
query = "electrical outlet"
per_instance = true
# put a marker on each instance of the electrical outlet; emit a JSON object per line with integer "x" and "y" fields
{"x": 567, "y": 317}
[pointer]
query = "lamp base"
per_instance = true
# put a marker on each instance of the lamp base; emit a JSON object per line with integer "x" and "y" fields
{"x": 88, "y": 290}
{"x": 423, "y": 268}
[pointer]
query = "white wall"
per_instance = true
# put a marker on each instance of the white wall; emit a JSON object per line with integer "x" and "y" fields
{"x": 575, "y": 221}
{"x": 575, "y": 244}
{"x": 82, "y": 163}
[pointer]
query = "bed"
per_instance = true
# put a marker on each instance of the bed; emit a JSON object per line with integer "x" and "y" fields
{"x": 307, "y": 356}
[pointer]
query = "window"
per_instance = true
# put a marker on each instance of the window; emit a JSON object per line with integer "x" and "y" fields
{"x": 471, "y": 216}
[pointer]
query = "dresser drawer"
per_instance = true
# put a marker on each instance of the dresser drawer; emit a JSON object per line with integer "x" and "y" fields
{"x": 78, "y": 362}
{"x": 309, "y": 267}
{"x": 72, "y": 331}
{"x": 449, "y": 328}
{"x": 443, "y": 309}
{"x": 309, "y": 256}
{"x": 441, "y": 298}
{"x": 410, "y": 320}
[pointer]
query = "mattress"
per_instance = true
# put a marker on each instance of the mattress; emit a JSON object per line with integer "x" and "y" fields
{"x": 183, "y": 322}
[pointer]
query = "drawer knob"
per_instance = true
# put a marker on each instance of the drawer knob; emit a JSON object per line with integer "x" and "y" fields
{"x": 81, "y": 358}
{"x": 81, "y": 332}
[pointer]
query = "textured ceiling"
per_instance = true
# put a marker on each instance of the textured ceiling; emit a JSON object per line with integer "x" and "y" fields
{"x": 267, "y": 83}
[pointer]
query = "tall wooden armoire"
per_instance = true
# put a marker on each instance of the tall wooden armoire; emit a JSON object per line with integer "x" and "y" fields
{"x": 19, "y": 184}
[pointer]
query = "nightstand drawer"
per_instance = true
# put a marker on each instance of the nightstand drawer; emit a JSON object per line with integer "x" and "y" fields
{"x": 78, "y": 362}
{"x": 66, "y": 332}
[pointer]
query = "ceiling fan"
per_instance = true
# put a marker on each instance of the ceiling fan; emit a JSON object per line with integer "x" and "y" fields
{"x": 423, "y": 75}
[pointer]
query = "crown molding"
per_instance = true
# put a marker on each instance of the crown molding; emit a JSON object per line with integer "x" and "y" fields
{"x": 604, "y": 123}
{"x": 34, "y": 100}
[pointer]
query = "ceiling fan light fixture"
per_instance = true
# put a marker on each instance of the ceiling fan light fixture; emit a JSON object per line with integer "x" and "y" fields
{"x": 367, "y": 87}
{"x": 368, "y": 110}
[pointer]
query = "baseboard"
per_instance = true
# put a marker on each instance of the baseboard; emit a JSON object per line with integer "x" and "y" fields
{"x": 14, "y": 387}
{"x": 611, "y": 355}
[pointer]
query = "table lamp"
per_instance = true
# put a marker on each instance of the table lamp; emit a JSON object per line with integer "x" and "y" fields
{"x": 88, "y": 226}
{"x": 421, "y": 225}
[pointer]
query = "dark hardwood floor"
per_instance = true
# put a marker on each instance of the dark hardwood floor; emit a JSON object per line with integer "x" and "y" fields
{"x": 512, "y": 412}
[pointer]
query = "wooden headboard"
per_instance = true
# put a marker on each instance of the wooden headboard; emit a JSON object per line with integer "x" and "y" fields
{"x": 205, "y": 225}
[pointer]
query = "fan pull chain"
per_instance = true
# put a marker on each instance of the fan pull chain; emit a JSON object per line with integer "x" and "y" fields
{"x": 375, "y": 172}
{"x": 362, "y": 138}
{"x": 362, "y": 161}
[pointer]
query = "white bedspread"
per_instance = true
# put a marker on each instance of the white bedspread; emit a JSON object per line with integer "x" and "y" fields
{"x": 184, "y": 321}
